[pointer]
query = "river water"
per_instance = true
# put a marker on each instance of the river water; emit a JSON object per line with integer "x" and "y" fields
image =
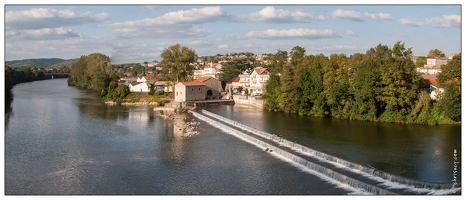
{"x": 64, "y": 140}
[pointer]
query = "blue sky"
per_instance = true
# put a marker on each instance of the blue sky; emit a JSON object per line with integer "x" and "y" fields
{"x": 138, "y": 33}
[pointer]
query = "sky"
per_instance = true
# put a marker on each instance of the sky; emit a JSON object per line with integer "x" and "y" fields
{"x": 135, "y": 33}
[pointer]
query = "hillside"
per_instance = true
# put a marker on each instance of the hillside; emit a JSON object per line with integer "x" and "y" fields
{"x": 41, "y": 62}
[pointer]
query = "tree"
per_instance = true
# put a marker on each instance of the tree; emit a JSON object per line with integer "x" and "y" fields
{"x": 421, "y": 61}
{"x": 234, "y": 67}
{"x": 176, "y": 61}
{"x": 450, "y": 80}
{"x": 297, "y": 55}
{"x": 434, "y": 53}
{"x": 92, "y": 72}
{"x": 272, "y": 93}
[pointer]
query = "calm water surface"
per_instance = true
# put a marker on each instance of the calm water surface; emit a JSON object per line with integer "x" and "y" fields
{"x": 63, "y": 140}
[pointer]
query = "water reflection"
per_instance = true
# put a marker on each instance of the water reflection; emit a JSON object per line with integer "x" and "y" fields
{"x": 8, "y": 107}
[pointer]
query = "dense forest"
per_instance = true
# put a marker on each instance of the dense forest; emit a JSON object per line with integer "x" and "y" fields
{"x": 381, "y": 85}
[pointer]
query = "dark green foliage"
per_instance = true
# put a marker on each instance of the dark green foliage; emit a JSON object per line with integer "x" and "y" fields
{"x": 381, "y": 85}
{"x": 233, "y": 68}
{"x": 93, "y": 72}
{"x": 21, "y": 75}
{"x": 272, "y": 94}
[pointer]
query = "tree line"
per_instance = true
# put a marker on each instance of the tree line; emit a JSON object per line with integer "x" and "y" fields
{"x": 15, "y": 76}
{"x": 380, "y": 85}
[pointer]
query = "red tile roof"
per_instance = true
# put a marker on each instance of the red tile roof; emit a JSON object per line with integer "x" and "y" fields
{"x": 150, "y": 77}
{"x": 203, "y": 79}
{"x": 192, "y": 83}
{"x": 430, "y": 81}
{"x": 260, "y": 70}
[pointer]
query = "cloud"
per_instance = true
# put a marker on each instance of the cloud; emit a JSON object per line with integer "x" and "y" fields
{"x": 336, "y": 48}
{"x": 42, "y": 34}
{"x": 347, "y": 14}
{"x": 63, "y": 48}
{"x": 378, "y": 16}
{"x": 447, "y": 21}
{"x": 182, "y": 17}
{"x": 292, "y": 33}
{"x": 357, "y": 16}
{"x": 351, "y": 33}
{"x": 223, "y": 46}
{"x": 151, "y": 32}
{"x": 38, "y": 18}
{"x": 171, "y": 25}
{"x": 272, "y": 15}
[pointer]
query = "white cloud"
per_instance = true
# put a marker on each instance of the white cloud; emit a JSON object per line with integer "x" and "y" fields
{"x": 447, "y": 21}
{"x": 270, "y": 14}
{"x": 37, "y": 18}
{"x": 182, "y": 17}
{"x": 223, "y": 46}
{"x": 198, "y": 43}
{"x": 293, "y": 33}
{"x": 172, "y": 24}
{"x": 336, "y": 48}
{"x": 43, "y": 34}
{"x": 357, "y": 16}
{"x": 351, "y": 33}
{"x": 378, "y": 16}
{"x": 347, "y": 14}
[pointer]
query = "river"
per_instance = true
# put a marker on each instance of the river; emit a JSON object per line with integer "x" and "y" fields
{"x": 64, "y": 140}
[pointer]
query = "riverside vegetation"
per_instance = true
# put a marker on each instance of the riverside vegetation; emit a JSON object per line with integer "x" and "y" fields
{"x": 380, "y": 85}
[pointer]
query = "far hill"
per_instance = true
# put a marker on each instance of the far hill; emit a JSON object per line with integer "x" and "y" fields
{"x": 41, "y": 62}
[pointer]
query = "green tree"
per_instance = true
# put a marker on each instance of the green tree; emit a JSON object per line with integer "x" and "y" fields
{"x": 434, "y": 53}
{"x": 233, "y": 68}
{"x": 421, "y": 61}
{"x": 297, "y": 55}
{"x": 272, "y": 93}
{"x": 176, "y": 61}
{"x": 92, "y": 72}
{"x": 450, "y": 80}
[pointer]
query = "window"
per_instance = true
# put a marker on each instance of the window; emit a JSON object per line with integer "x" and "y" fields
{"x": 192, "y": 89}
{"x": 199, "y": 89}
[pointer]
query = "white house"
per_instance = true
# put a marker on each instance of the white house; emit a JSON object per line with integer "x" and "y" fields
{"x": 144, "y": 79}
{"x": 256, "y": 81}
{"x": 138, "y": 87}
{"x": 211, "y": 69}
{"x": 432, "y": 62}
{"x": 429, "y": 70}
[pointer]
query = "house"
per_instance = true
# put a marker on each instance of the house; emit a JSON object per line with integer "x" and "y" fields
{"x": 429, "y": 70}
{"x": 432, "y": 62}
{"x": 432, "y": 87}
{"x": 138, "y": 87}
{"x": 144, "y": 79}
{"x": 199, "y": 89}
{"x": 255, "y": 82}
{"x": 213, "y": 87}
{"x": 211, "y": 70}
{"x": 233, "y": 84}
{"x": 190, "y": 91}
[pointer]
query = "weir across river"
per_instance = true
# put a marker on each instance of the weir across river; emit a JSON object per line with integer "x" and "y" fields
{"x": 359, "y": 177}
